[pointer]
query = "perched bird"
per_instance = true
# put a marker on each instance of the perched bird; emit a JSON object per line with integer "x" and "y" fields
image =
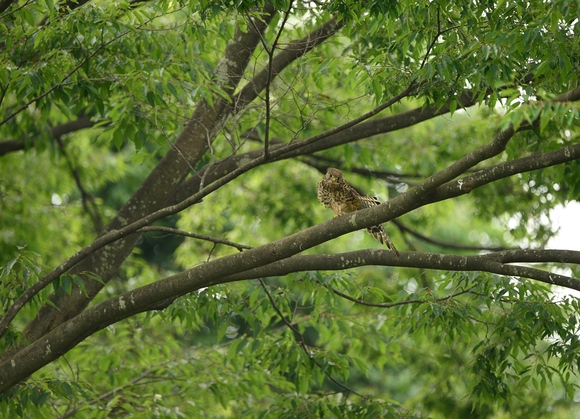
{"x": 335, "y": 193}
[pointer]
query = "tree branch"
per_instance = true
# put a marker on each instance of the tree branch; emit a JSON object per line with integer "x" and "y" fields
{"x": 169, "y": 230}
{"x": 78, "y": 124}
{"x": 353, "y": 133}
{"x": 5, "y": 4}
{"x": 189, "y": 148}
{"x": 322, "y": 163}
{"x": 503, "y": 170}
{"x": 299, "y": 337}
{"x": 406, "y": 229}
{"x": 496, "y": 262}
{"x": 397, "y": 303}
{"x": 288, "y": 55}
{"x": 253, "y": 264}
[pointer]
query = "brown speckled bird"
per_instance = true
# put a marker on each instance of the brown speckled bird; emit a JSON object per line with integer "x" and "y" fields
{"x": 335, "y": 193}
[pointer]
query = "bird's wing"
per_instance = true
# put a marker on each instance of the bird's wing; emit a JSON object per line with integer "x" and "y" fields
{"x": 368, "y": 201}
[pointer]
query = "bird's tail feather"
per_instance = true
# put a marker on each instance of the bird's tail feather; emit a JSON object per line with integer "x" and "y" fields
{"x": 379, "y": 233}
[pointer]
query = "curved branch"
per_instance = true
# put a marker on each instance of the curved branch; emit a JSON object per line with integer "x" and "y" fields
{"x": 67, "y": 335}
{"x": 396, "y": 303}
{"x": 497, "y": 262}
{"x": 503, "y": 170}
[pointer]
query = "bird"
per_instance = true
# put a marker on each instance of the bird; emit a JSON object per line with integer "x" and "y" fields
{"x": 334, "y": 192}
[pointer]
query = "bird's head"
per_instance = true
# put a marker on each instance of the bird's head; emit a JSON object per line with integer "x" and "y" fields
{"x": 334, "y": 175}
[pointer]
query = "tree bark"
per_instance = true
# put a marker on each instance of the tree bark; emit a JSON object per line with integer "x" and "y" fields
{"x": 191, "y": 145}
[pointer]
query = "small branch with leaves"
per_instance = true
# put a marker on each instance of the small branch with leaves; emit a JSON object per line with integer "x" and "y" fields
{"x": 301, "y": 342}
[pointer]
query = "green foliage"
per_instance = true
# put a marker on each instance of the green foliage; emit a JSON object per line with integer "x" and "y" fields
{"x": 404, "y": 342}
{"x": 228, "y": 343}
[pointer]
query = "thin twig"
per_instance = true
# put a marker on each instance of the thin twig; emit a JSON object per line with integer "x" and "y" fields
{"x": 398, "y": 303}
{"x": 270, "y": 70}
{"x": 66, "y": 77}
{"x": 441, "y": 243}
{"x": 300, "y": 340}
{"x": 215, "y": 240}
{"x": 433, "y": 41}
{"x": 4, "y": 4}
{"x": 321, "y": 163}
{"x": 270, "y": 52}
{"x": 87, "y": 199}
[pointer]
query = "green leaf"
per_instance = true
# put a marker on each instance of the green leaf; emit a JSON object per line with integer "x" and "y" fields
{"x": 172, "y": 90}
{"x": 8, "y": 267}
{"x": 66, "y": 284}
{"x": 80, "y": 283}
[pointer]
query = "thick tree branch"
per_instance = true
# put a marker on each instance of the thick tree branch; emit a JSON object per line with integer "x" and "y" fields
{"x": 569, "y": 96}
{"x": 190, "y": 146}
{"x": 497, "y": 262}
{"x": 253, "y": 264}
{"x": 503, "y": 170}
{"x": 5, "y": 4}
{"x": 353, "y": 133}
